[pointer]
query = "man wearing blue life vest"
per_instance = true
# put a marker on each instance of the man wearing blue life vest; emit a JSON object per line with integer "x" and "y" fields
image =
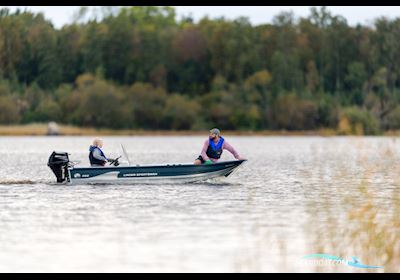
{"x": 96, "y": 155}
{"x": 213, "y": 148}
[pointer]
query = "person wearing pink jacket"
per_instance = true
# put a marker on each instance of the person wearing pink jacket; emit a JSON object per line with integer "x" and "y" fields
{"x": 213, "y": 148}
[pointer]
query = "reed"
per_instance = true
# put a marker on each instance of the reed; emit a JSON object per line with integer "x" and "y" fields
{"x": 363, "y": 220}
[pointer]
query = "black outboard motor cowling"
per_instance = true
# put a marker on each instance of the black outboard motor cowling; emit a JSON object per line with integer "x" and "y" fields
{"x": 59, "y": 163}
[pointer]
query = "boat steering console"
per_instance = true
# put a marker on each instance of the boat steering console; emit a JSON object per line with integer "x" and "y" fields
{"x": 115, "y": 162}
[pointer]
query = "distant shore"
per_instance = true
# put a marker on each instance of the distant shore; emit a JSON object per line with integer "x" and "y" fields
{"x": 67, "y": 130}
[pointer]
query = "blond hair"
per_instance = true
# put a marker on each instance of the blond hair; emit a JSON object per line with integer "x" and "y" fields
{"x": 97, "y": 142}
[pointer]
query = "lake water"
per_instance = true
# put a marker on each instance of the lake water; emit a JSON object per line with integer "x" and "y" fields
{"x": 294, "y": 197}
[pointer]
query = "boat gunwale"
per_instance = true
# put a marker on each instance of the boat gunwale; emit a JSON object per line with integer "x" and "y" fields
{"x": 236, "y": 162}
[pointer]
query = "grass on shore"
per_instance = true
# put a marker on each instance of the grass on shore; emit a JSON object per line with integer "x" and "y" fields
{"x": 38, "y": 129}
{"x": 67, "y": 130}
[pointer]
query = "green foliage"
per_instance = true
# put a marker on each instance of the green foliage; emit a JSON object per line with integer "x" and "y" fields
{"x": 99, "y": 104}
{"x": 9, "y": 113}
{"x": 360, "y": 121}
{"x": 141, "y": 67}
{"x": 392, "y": 120}
{"x": 181, "y": 113}
{"x": 328, "y": 111}
{"x": 355, "y": 80}
{"x": 48, "y": 110}
{"x": 292, "y": 113}
{"x": 147, "y": 104}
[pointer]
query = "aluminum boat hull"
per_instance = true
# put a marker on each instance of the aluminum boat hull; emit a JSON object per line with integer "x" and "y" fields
{"x": 149, "y": 174}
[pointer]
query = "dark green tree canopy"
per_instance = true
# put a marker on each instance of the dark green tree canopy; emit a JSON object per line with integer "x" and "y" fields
{"x": 145, "y": 68}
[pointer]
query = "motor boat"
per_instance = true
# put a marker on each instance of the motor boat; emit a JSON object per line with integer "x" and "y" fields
{"x": 67, "y": 172}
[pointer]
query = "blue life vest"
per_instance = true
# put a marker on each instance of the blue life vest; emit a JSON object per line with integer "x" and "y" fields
{"x": 93, "y": 160}
{"x": 215, "y": 151}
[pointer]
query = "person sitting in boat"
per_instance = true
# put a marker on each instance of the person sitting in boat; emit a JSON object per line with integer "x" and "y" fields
{"x": 96, "y": 155}
{"x": 213, "y": 148}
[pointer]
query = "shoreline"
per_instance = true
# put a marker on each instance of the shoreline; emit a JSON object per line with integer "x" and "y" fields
{"x": 67, "y": 130}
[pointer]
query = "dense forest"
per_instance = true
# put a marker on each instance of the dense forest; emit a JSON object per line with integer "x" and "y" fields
{"x": 142, "y": 68}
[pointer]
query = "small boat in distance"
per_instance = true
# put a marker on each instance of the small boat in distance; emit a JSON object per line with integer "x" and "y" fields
{"x": 66, "y": 172}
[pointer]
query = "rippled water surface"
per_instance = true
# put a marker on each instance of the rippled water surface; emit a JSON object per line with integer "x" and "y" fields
{"x": 295, "y": 196}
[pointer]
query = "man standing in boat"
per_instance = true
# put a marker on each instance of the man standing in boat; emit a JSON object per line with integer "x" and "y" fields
{"x": 213, "y": 148}
{"x": 96, "y": 155}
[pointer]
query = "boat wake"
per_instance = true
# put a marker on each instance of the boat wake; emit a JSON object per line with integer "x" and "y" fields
{"x": 209, "y": 182}
{"x": 18, "y": 182}
{"x": 216, "y": 182}
{"x": 23, "y": 182}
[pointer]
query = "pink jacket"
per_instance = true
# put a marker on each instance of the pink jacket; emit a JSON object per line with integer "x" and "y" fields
{"x": 225, "y": 146}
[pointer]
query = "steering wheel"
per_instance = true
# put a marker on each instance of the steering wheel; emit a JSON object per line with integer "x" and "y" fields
{"x": 115, "y": 162}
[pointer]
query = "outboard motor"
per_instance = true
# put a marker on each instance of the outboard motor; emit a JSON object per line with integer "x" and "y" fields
{"x": 59, "y": 163}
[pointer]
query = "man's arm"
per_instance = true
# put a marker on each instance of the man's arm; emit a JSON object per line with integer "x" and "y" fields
{"x": 231, "y": 149}
{"x": 204, "y": 150}
{"x": 97, "y": 155}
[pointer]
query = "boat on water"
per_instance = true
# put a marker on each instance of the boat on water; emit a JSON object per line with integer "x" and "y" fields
{"x": 66, "y": 172}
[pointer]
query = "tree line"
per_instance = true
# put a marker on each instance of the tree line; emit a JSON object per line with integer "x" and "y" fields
{"x": 141, "y": 67}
